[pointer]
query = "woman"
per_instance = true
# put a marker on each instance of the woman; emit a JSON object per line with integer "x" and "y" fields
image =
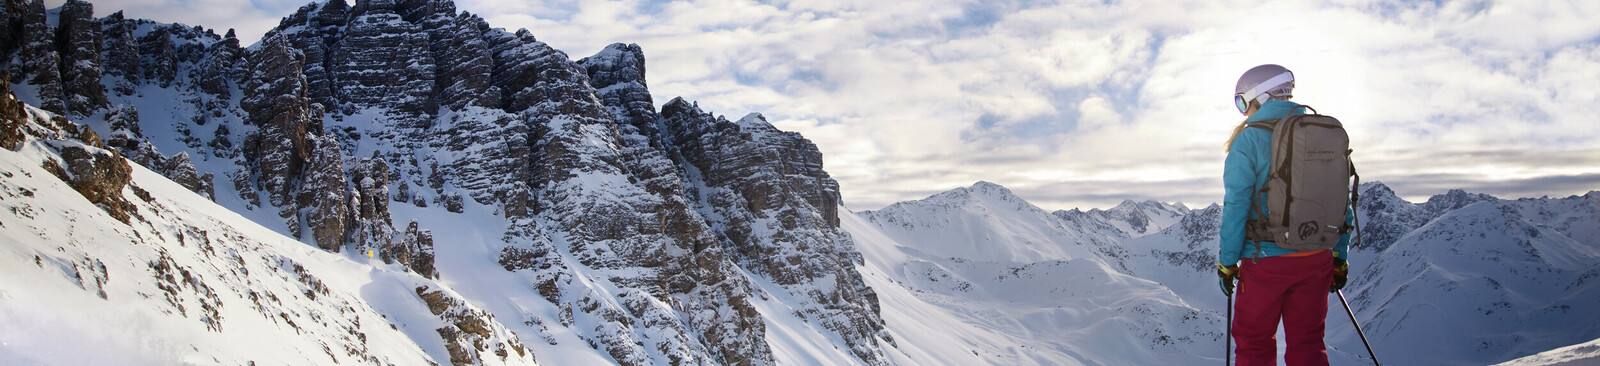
{"x": 1274, "y": 283}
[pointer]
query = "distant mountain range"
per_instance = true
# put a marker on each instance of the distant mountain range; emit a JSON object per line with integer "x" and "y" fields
{"x": 396, "y": 182}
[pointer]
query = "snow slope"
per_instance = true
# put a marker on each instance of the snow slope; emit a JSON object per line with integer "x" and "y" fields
{"x": 1586, "y": 353}
{"x": 189, "y": 282}
{"x": 985, "y": 222}
{"x": 1486, "y": 282}
{"x": 1013, "y": 286}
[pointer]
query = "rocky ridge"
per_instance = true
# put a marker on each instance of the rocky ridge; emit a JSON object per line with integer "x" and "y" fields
{"x": 639, "y": 224}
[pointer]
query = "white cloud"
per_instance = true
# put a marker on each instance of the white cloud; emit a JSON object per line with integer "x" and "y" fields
{"x": 250, "y": 19}
{"x": 1084, "y": 103}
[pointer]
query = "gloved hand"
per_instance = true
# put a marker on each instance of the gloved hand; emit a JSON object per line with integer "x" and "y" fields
{"x": 1226, "y": 275}
{"x": 1341, "y": 274}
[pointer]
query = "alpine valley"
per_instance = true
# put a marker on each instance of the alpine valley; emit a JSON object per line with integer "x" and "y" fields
{"x": 394, "y": 182}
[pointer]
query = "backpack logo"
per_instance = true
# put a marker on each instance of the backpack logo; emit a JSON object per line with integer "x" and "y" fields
{"x": 1309, "y": 228}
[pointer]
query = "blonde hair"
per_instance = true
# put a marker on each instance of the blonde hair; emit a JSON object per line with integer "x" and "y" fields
{"x": 1254, "y": 106}
{"x": 1228, "y": 146}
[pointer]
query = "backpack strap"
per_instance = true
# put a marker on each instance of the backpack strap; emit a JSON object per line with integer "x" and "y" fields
{"x": 1269, "y": 125}
{"x": 1355, "y": 198}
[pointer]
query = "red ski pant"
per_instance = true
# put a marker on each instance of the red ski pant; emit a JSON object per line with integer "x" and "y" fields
{"x": 1293, "y": 289}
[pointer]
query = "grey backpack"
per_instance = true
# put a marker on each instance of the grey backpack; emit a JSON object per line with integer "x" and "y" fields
{"x": 1306, "y": 189}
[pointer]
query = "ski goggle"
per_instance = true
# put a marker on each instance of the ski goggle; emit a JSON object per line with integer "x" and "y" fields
{"x": 1259, "y": 92}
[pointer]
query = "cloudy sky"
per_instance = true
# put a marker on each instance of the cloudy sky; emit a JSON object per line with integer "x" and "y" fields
{"x": 1087, "y": 103}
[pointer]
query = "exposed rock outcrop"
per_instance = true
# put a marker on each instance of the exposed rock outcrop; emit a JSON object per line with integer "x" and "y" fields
{"x": 127, "y": 137}
{"x": 99, "y": 175}
{"x": 413, "y": 249}
{"x": 384, "y": 61}
{"x": 40, "y": 62}
{"x": 778, "y": 212}
{"x": 321, "y": 199}
{"x": 369, "y": 198}
{"x": 313, "y": 29}
{"x": 300, "y": 166}
{"x": 121, "y": 54}
{"x": 78, "y": 40}
{"x": 13, "y": 117}
{"x": 617, "y": 74}
{"x": 470, "y": 335}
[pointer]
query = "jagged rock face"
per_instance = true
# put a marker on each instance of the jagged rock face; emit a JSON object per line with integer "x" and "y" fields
{"x": 321, "y": 198}
{"x": 313, "y": 29}
{"x": 572, "y": 154}
{"x": 414, "y": 250}
{"x": 78, "y": 38}
{"x": 13, "y": 119}
{"x": 18, "y": 124}
{"x": 218, "y": 66}
{"x": 462, "y": 70}
{"x": 370, "y": 178}
{"x": 41, "y": 64}
{"x": 181, "y": 170}
{"x": 160, "y": 57}
{"x": 777, "y": 210}
{"x": 121, "y": 60}
{"x": 465, "y": 63}
{"x": 275, "y": 99}
{"x": 1129, "y": 212}
{"x": 619, "y": 206}
{"x": 96, "y": 173}
{"x": 530, "y": 73}
{"x": 617, "y": 73}
{"x": 1200, "y": 227}
{"x": 1087, "y": 222}
{"x": 293, "y": 148}
{"x": 487, "y": 152}
{"x": 382, "y": 60}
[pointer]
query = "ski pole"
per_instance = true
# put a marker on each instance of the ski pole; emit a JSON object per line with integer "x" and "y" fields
{"x": 1228, "y": 354}
{"x": 1352, "y": 321}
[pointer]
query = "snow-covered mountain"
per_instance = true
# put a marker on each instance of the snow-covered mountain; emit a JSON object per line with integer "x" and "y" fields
{"x": 172, "y": 196}
{"x": 550, "y": 193}
{"x": 1023, "y": 286}
{"x": 1131, "y": 219}
{"x": 1461, "y": 279}
{"x": 1521, "y": 271}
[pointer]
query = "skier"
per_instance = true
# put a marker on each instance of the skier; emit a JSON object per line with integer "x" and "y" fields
{"x": 1274, "y": 283}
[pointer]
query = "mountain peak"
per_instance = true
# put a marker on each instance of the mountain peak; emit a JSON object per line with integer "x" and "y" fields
{"x": 1455, "y": 199}
{"x": 989, "y": 190}
{"x": 754, "y": 120}
{"x": 616, "y": 64}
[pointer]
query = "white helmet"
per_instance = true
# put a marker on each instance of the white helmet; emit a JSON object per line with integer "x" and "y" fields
{"x": 1262, "y": 83}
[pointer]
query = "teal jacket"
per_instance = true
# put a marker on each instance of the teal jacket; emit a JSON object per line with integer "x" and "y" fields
{"x": 1244, "y": 172}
